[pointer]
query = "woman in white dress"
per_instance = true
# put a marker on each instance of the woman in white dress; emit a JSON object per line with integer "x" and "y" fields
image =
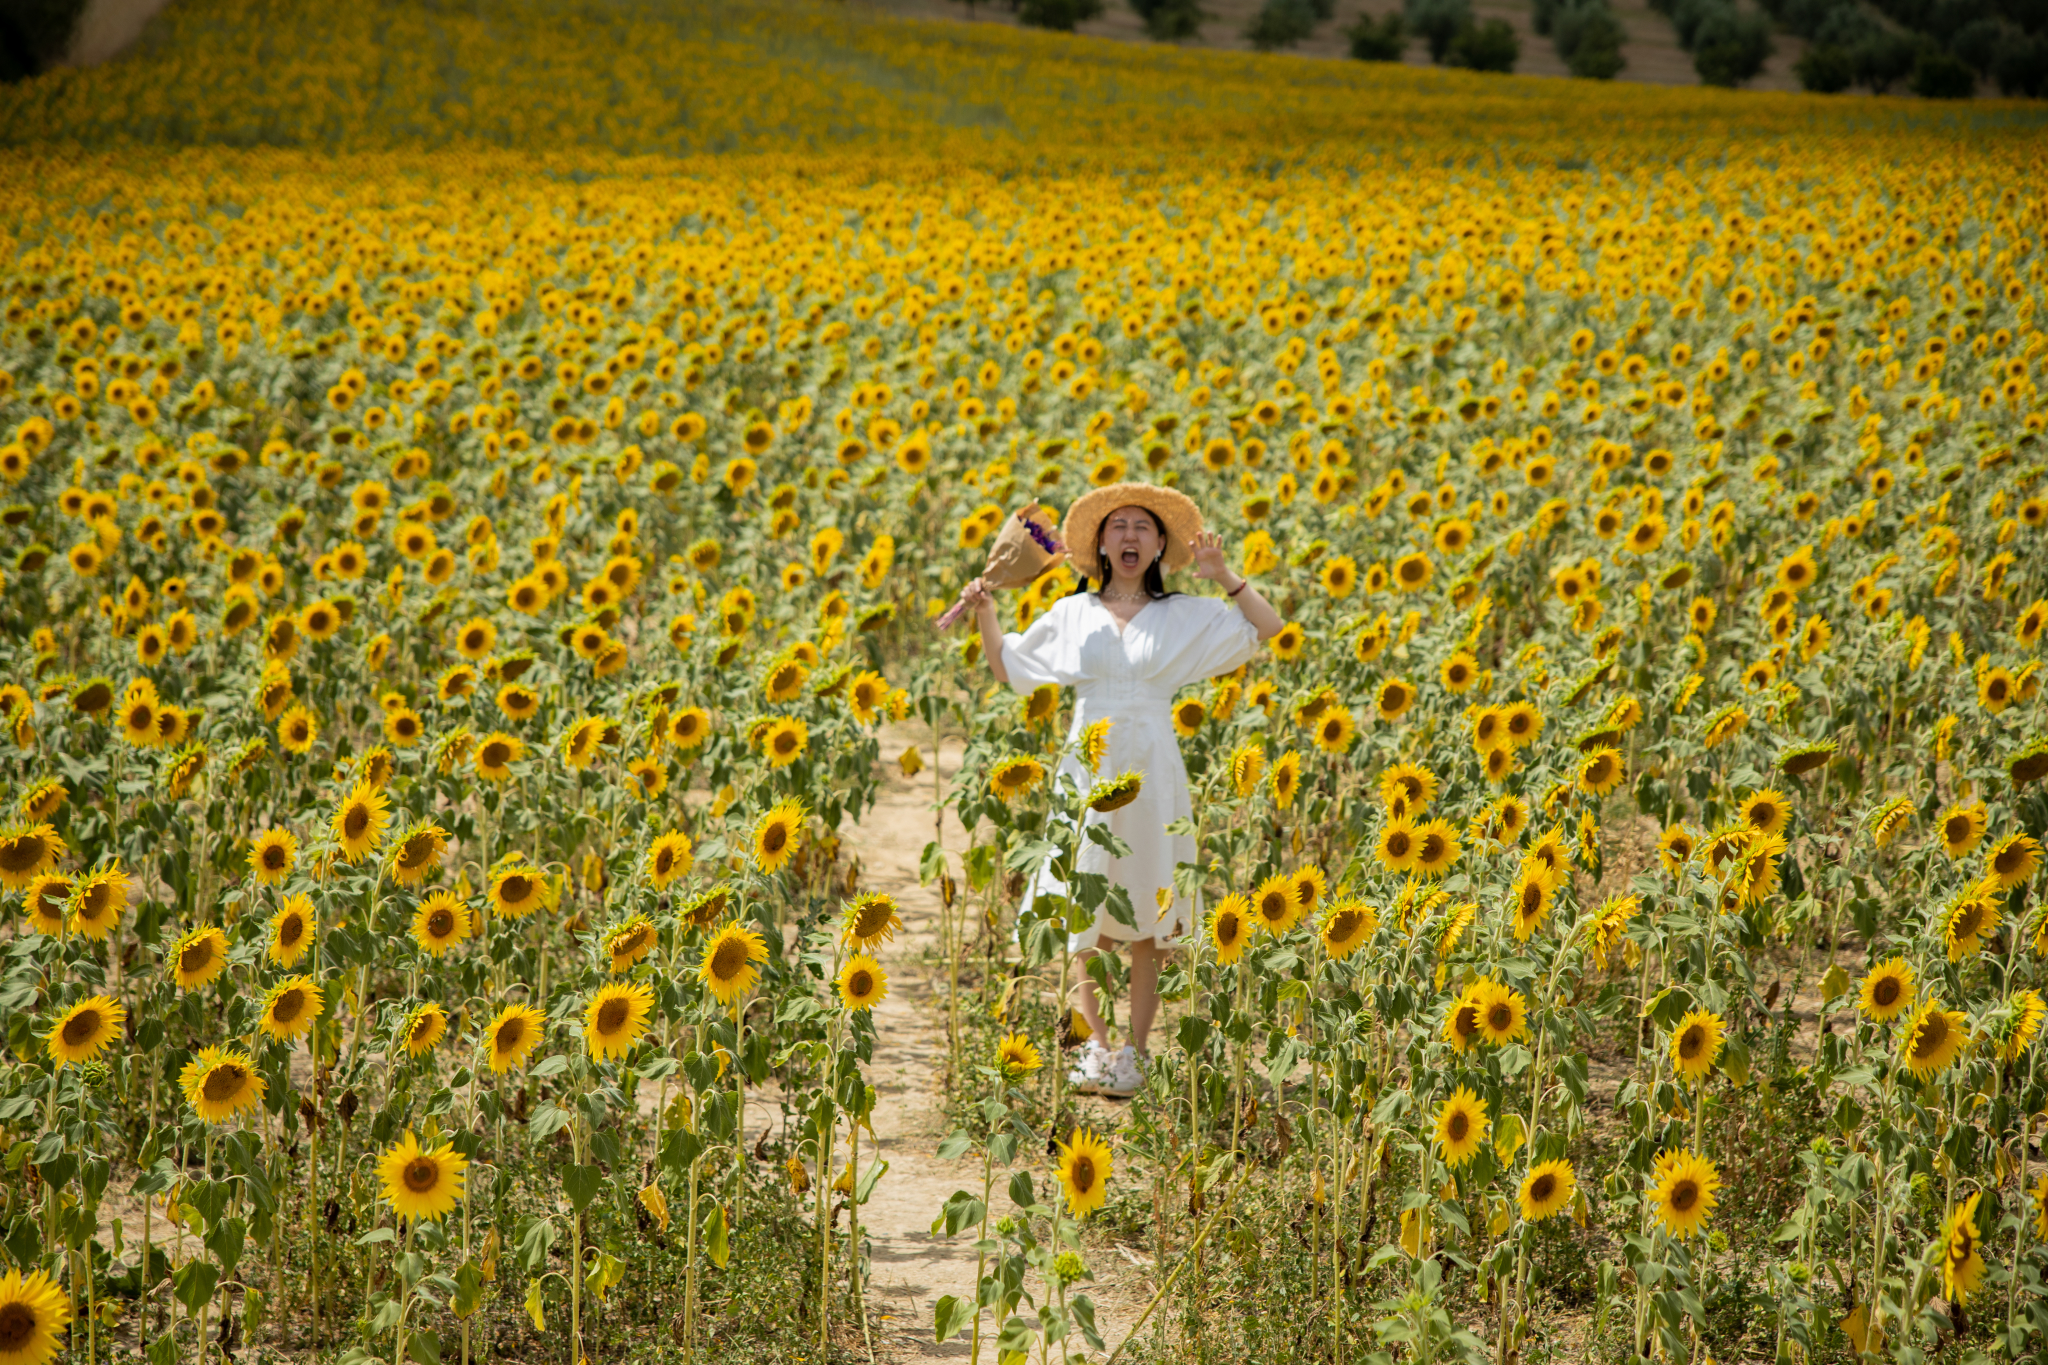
{"x": 1126, "y": 646}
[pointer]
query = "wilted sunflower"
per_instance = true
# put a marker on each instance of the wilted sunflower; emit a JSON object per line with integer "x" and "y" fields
{"x": 198, "y": 957}
{"x": 515, "y": 1033}
{"x": 1347, "y": 927}
{"x": 1695, "y": 1045}
{"x": 1230, "y": 926}
{"x": 862, "y": 983}
{"x": 615, "y": 1019}
{"x": 98, "y": 901}
{"x": 418, "y": 852}
{"x": 424, "y": 1028}
{"x": 870, "y": 920}
{"x": 668, "y": 858}
{"x": 290, "y": 1007}
{"x": 1461, "y": 1124}
{"x": 44, "y": 799}
{"x": 731, "y": 964}
{"x": 1084, "y": 1168}
{"x": 421, "y": 1182}
{"x": 272, "y": 855}
{"x": 359, "y": 821}
{"x": 1932, "y": 1040}
{"x": 291, "y": 930}
{"x": 1546, "y": 1189}
{"x": 628, "y": 943}
{"x": 777, "y": 834}
{"x": 1113, "y": 794}
{"x": 1012, "y": 778}
{"x": 1799, "y": 759}
{"x": 2024, "y": 1014}
{"x": 33, "y": 1315}
{"x": 1685, "y": 1192}
{"x": 1887, "y": 990}
{"x": 1962, "y": 1258}
{"x": 26, "y": 852}
{"x": 517, "y": 891}
{"x": 441, "y": 922}
{"x": 81, "y": 1033}
{"x": 220, "y": 1083}
{"x": 1274, "y": 907}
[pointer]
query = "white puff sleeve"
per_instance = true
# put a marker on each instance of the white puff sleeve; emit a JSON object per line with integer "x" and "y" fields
{"x": 1209, "y": 637}
{"x": 1049, "y": 650}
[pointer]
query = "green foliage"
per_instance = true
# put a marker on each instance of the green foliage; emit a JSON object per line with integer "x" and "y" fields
{"x": 34, "y": 33}
{"x": 1061, "y": 16}
{"x": 1170, "y": 21}
{"x": 1491, "y": 46}
{"x": 1439, "y": 22}
{"x": 1826, "y": 70}
{"x": 1378, "y": 40}
{"x": 1939, "y": 75}
{"x": 1283, "y": 23}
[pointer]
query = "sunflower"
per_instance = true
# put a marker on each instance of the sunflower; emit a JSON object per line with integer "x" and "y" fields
{"x": 668, "y": 858}
{"x": 1973, "y": 915}
{"x": 220, "y": 1083}
{"x": 870, "y": 920}
{"x": 424, "y": 1028}
{"x": 1393, "y": 699}
{"x": 1546, "y": 1189}
{"x": 496, "y": 753}
{"x": 1017, "y": 1056}
{"x": 97, "y": 904}
{"x": 2012, "y": 861}
{"x": 1310, "y": 885}
{"x": 1695, "y": 1045}
{"x": 777, "y": 834}
{"x": 1675, "y": 848}
{"x": 290, "y": 1007}
{"x": 1412, "y": 572}
{"x": 1095, "y": 745}
{"x": 421, "y": 1182}
{"x": 1503, "y": 1015}
{"x": 1436, "y": 848}
{"x": 1524, "y": 723}
{"x": 1461, "y": 1125}
{"x": 731, "y": 963}
{"x": 1347, "y": 927}
{"x": 297, "y": 730}
{"x": 1932, "y": 1040}
{"x": 83, "y": 1031}
{"x": 689, "y": 727}
{"x": 441, "y": 922}
{"x": 1887, "y": 990}
{"x": 1962, "y": 1259}
{"x": 1462, "y": 1024}
{"x": 515, "y": 1033}
{"x": 1113, "y": 794}
{"x": 1408, "y": 781}
{"x": 2027, "y": 1010}
{"x": 272, "y": 855}
{"x": 517, "y": 891}
{"x": 27, "y": 852}
{"x": 1286, "y": 779}
{"x": 1013, "y": 777}
{"x": 862, "y": 983}
{"x": 33, "y": 1314}
{"x": 1230, "y": 928}
{"x": 1084, "y": 1168}
{"x": 359, "y": 821}
{"x": 1398, "y": 846}
{"x": 1685, "y": 1192}
{"x": 44, "y": 799}
{"x": 1889, "y": 821}
{"x": 291, "y": 930}
{"x": 198, "y": 957}
{"x": 628, "y": 943}
{"x": 1961, "y": 828}
{"x": 1532, "y": 894}
{"x": 418, "y": 852}
{"x": 1766, "y": 812}
{"x": 615, "y": 1019}
{"x": 1335, "y": 729}
{"x": 1601, "y": 771}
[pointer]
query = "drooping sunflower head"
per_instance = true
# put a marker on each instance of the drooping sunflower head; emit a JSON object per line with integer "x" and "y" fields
{"x": 1113, "y": 794}
{"x": 731, "y": 964}
{"x": 83, "y": 1031}
{"x": 420, "y": 1181}
{"x": 870, "y": 920}
{"x": 198, "y": 957}
{"x": 862, "y": 983}
{"x": 1962, "y": 1256}
{"x": 1230, "y": 927}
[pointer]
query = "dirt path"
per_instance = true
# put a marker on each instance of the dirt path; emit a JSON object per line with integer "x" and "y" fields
{"x": 913, "y": 1269}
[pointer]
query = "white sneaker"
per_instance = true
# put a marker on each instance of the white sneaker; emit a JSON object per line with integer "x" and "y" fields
{"x": 1125, "y": 1075}
{"x": 1090, "y": 1069}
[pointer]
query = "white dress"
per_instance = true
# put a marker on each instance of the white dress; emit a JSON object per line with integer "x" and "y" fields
{"x": 1130, "y": 679}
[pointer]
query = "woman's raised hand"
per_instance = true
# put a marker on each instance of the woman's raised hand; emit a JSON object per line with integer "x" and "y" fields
{"x": 976, "y": 595}
{"x": 1209, "y": 560}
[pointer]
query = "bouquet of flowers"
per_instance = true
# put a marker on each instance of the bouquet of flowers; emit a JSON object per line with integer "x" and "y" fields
{"x": 1025, "y": 548}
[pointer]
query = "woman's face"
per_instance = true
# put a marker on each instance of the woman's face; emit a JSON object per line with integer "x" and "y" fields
{"x": 1131, "y": 540}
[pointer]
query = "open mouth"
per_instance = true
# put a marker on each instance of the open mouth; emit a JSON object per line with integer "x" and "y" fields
{"x": 1128, "y": 558}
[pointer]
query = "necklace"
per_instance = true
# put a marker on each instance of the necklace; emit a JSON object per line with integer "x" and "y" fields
{"x": 1111, "y": 595}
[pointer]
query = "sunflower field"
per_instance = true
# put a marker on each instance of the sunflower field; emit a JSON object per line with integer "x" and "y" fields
{"x": 478, "y": 480}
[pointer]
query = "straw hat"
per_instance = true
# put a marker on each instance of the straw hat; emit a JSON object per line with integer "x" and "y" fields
{"x": 1176, "y": 511}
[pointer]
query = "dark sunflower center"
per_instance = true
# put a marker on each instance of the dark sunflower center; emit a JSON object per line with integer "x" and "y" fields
{"x": 729, "y": 960}
{"x": 1084, "y": 1174}
{"x": 613, "y": 1014}
{"x": 417, "y": 852}
{"x": 1692, "y": 1042}
{"x": 1956, "y": 830}
{"x": 288, "y": 1006}
{"x": 291, "y": 931}
{"x": 1500, "y": 1018}
{"x": 18, "y": 1327}
{"x": 1884, "y": 992}
{"x": 273, "y": 858}
{"x": 1459, "y": 1125}
{"x": 1432, "y": 848}
{"x": 440, "y": 924}
{"x": 1932, "y": 1035}
{"x": 496, "y": 755}
{"x": 422, "y": 1175}
{"x": 356, "y": 821}
{"x": 196, "y": 958}
{"x": 510, "y": 1034}
{"x": 775, "y": 838}
{"x": 81, "y": 1028}
{"x": 515, "y": 888}
{"x": 859, "y": 984}
{"x": 1398, "y": 844}
{"x": 1542, "y": 1188}
{"x": 1532, "y": 899}
{"x": 1684, "y": 1195}
{"x": 223, "y": 1083}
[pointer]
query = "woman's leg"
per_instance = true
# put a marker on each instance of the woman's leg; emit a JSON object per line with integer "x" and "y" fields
{"x": 1085, "y": 999}
{"x": 1146, "y": 955}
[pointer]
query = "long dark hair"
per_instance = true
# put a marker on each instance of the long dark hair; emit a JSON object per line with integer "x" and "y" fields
{"x": 1155, "y": 581}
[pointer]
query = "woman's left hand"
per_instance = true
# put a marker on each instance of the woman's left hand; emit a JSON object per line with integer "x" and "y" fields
{"x": 1209, "y": 560}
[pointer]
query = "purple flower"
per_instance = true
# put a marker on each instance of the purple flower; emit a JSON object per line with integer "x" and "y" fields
{"x": 1042, "y": 536}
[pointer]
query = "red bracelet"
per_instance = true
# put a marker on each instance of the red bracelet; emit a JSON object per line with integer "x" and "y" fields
{"x": 1242, "y": 584}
